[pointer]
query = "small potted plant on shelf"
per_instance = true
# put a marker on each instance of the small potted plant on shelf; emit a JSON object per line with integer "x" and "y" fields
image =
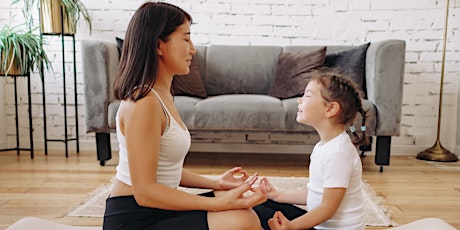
{"x": 51, "y": 21}
{"x": 20, "y": 52}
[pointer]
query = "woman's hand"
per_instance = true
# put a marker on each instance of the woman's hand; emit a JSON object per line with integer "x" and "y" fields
{"x": 279, "y": 222}
{"x": 235, "y": 198}
{"x": 230, "y": 179}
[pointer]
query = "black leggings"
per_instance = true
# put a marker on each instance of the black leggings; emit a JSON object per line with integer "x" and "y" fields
{"x": 124, "y": 213}
{"x": 266, "y": 210}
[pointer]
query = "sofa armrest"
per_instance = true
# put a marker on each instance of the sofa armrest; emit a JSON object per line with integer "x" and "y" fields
{"x": 385, "y": 62}
{"x": 100, "y": 61}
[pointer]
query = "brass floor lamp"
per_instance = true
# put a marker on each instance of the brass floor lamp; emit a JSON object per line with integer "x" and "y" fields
{"x": 437, "y": 152}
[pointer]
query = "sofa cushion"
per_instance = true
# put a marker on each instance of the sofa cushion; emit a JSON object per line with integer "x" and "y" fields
{"x": 190, "y": 84}
{"x": 240, "y": 69}
{"x": 293, "y": 72}
{"x": 239, "y": 112}
{"x": 186, "y": 106}
{"x": 351, "y": 62}
{"x": 191, "y": 110}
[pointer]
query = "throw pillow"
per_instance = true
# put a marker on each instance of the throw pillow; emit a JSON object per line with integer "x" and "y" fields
{"x": 190, "y": 84}
{"x": 119, "y": 45}
{"x": 294, "y": 70}
{"x": 351, "y": 62}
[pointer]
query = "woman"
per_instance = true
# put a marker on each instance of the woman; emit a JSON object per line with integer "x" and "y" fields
{"x": 153, "y": 140}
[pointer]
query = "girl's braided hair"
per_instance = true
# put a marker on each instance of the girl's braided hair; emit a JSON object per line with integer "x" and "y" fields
{"x": 338, "y": 88}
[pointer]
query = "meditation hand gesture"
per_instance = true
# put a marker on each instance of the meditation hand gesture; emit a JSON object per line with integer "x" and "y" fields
{"x": 279, "y": 222}
{"x": 234, "y": 198}
{"x": 272, "y": 193}
{"x": 229, "y": 180}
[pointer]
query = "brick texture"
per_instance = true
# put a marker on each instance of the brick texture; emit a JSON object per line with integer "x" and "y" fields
{"x": 277, "y": 22}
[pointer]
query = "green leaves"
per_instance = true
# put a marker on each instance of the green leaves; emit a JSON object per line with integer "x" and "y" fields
{"x": 73, "y": 8}
{"x": 22, "y": 50}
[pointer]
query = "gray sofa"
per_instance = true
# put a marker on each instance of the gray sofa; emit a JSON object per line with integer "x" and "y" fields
{"x": 238, "y": 115}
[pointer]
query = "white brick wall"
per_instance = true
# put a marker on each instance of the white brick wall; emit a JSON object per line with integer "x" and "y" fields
{"x": 279, "y": 22}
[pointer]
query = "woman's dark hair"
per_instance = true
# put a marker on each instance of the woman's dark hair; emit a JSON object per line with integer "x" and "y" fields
{"x": 138, "y": 64}
{"x": 338, "y": 88}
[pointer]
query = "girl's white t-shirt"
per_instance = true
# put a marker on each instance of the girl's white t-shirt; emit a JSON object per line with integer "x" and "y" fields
{"x": 336, "y": 164}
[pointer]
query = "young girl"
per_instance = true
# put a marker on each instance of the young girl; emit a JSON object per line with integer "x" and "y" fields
{"x": 153, "y": 139}
{"x": 333, "y": 194}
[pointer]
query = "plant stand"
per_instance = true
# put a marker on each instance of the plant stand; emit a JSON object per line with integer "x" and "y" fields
{"x": 66, "y": 138}
{"x": 31, "y": 147}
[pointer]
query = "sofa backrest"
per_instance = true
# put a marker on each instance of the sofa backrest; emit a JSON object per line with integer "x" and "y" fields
{"x": 330, "y": 49}
{"x": 240, "y": 69}
{"x": 229, "y": 69}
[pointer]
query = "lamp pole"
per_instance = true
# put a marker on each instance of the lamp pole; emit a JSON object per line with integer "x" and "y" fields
{"x": 437, "y": 152}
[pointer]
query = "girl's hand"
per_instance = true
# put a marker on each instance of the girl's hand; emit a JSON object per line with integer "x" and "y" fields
{"x": 272, "y": 193}
{"x": 230, "y": 180}
{"x": 279, "y": 222}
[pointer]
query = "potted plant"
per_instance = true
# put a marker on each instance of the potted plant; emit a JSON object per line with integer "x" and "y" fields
{"x": 50, "y": 15}
{"x": 20, "y": 52}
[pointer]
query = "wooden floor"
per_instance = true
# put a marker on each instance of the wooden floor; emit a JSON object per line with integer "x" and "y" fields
{"x": 49, "y": 186}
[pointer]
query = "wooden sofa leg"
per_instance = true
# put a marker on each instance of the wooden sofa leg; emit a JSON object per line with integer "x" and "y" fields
{"x": 104, "y": 150}
{"x": 382, "y": 151}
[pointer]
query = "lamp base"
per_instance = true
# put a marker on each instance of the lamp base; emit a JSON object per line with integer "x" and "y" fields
{"x": 437, "y": 153}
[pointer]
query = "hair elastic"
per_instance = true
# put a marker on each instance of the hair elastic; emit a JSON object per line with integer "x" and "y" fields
{"x": 363, "y": 128}
{"x": 352, "y": 129}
